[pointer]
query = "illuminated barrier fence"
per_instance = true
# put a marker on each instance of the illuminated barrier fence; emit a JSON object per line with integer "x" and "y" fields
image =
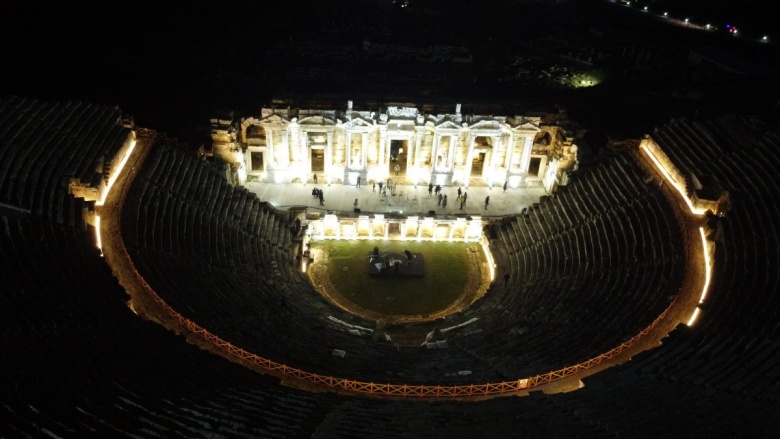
{"x": 383, "y": 389}
{"x": 387, "y": 389}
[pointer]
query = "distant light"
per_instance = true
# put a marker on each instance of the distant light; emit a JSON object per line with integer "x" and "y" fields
{"x": 645, "y": 9}
{"x": 765, "y": 38}
{"x": 98, "y": 239}
{"x": 707, "y": 26}
{"x": 686, "y": 20}
{"x": 666, "y": 14}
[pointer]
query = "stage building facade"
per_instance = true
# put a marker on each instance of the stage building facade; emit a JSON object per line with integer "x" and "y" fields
{"x": 286, "y": 145}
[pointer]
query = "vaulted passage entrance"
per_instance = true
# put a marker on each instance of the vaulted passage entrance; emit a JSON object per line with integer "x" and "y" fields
{"x": 398, "y": 156}
{"x": 317, "y": 159}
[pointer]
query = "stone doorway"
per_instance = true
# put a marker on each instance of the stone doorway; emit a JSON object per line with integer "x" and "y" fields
{"x": 317, "y": 160}
{"x": 256, "y": 162}
{"x": 397, "y": 157}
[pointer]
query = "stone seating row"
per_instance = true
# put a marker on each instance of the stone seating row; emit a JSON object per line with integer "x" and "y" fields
{"x": 631, "y": 247}
{"x": 732, "y": 350}
{"x": 81, "y": 361}
{"x": 45, "y": 145}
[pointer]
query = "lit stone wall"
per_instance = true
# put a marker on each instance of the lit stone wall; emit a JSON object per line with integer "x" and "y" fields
{"x": 438, "y": 148}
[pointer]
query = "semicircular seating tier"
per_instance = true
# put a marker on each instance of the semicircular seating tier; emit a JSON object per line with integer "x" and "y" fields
{"x": 589, "y": 268}
{"x": 49, "y": 148}
{"x": 78, "y": 363}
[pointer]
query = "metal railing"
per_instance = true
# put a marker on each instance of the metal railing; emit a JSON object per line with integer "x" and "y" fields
{"x": 387, "y": 389}
{"x": 293, "y": 375}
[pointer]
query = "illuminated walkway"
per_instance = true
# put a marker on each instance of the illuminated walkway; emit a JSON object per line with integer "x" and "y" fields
{"x": 415, "y": 201}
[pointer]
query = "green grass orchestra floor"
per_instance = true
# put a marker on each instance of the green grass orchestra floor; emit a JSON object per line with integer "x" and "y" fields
{"x": 446, "y": 274}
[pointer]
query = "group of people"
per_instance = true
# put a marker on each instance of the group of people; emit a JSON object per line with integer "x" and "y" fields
{"x": 317, "y": 193}
{"x": 383, "y": 186}
{"x": 462, "y": 196}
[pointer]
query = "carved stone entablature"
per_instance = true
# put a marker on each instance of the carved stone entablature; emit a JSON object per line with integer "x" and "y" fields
{"x": 402, "y": 112}
{"x": 400, "y": 126}
{"x": 475, "y": 119}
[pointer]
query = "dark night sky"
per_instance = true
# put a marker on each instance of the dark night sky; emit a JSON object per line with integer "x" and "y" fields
{"x": 171, "y": 66}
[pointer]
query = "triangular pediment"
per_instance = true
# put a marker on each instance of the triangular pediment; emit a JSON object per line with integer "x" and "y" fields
{"x": 274, "y": 119}
{"x": 358, "y": 121}
{"x": 447, "y": 124}
{"x": 317, "y": 120}
{"x": 486, "y": 125}
{"x": 527, "y": 126}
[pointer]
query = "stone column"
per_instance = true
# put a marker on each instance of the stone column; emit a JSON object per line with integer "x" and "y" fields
{"x": 418, "y": 137}
{"x": 329, "y": 157}
{"x": 293, "y": 142}
{"x": 304, "y": 158}
{"x": 363, "y": 150}
{"x": 525, "y": 159}
{"x": 453, "y": 148}
{"x": 284, "y": 147}
{"x": 435, "y": 150}
{"x": 469, "y": 158}
{"x": 269, "y": 143}
{"x": 382, "y": 145}
{"x": 410, "y": 148}
{"x": 496, "y": 152}
{"x": 348, "y": 149}
{"x": 510, "y": 151}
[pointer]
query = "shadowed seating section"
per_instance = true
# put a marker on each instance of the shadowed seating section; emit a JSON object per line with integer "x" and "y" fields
{"x": 583, "y": 280}
{"x": 221, "y": 257}
{"x": 47, "y": 144}
{"x": 78, "y": 363}
{"x": 586, "y": 272}
{"x": 722, "y": 374}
